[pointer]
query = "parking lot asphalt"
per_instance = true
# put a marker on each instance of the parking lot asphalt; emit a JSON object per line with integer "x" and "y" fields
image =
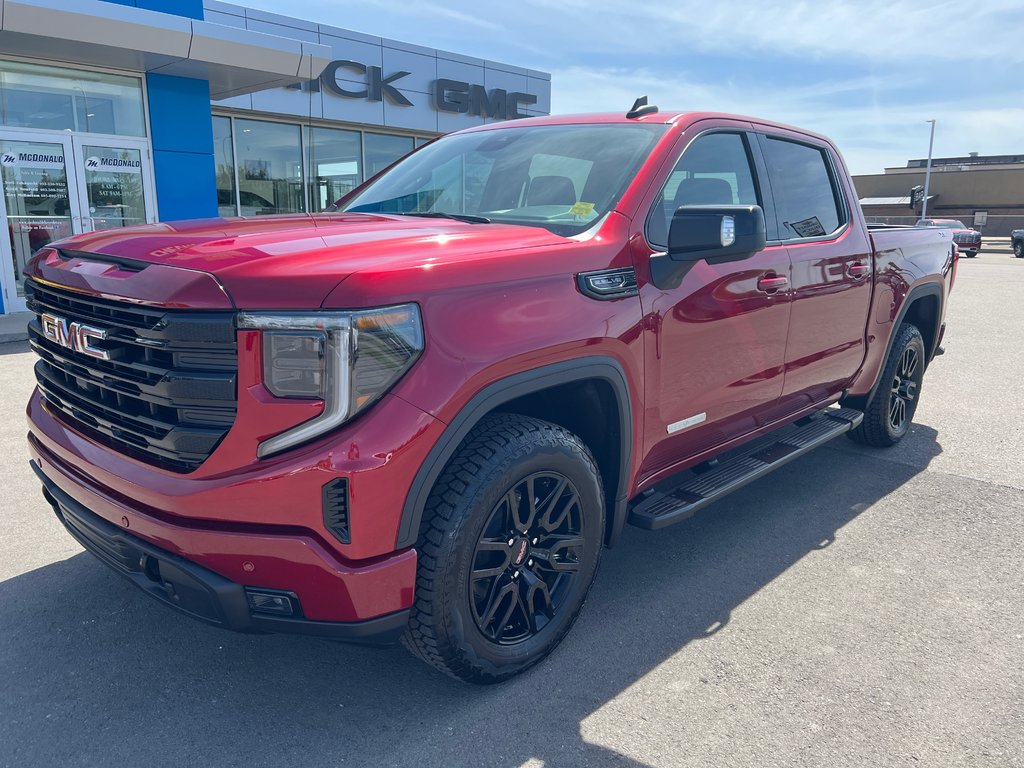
{"x": 858, "y": 607}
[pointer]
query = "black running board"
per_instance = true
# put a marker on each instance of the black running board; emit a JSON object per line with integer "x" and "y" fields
{"x": 698, "y": 489}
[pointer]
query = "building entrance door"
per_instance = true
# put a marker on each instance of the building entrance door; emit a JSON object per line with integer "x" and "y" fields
{"x": 115, "y": 182}
{"x": 56, "y": 185}
{"x": 39, "y": 203}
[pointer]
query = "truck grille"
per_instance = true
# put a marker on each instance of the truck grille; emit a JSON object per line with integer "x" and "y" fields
{"x": 966, "y": 238}
{"x": 167, "y": 393}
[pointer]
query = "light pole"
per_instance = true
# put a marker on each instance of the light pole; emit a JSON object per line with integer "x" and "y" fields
{"x": 928, "y": 171}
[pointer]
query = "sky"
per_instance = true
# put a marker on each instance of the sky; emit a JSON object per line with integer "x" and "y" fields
{"x": 867, "y": 74}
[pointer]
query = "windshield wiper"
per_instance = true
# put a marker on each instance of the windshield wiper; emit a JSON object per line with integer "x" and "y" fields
{"x": 467, "y": 217}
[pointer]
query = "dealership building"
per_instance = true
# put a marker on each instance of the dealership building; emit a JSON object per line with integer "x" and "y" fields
{"x": 119, "y": 112}
{"x": 983, "y": 191}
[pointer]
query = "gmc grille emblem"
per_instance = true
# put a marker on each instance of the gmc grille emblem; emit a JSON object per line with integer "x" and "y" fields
{"x": 74, "y": 336}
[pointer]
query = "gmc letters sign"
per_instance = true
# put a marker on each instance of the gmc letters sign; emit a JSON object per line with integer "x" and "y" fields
{"x": 448, "y": 95}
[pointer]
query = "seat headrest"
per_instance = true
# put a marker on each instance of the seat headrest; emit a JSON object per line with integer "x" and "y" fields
{"x": 551, "y": 190}
{"x": 703, "y": 192}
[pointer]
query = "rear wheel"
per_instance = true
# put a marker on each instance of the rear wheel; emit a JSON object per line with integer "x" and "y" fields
{"x": 508, "y": 549}
{"x": 890, "y": 411}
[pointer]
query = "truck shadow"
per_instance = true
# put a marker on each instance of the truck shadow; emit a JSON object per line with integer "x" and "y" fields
{"x": 94, "y": 673}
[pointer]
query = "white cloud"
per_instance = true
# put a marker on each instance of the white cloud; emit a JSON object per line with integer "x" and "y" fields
{"x": 876, "y": 30}
{"x": 870, "y": 137}
{"x": 471, "y": 17}
{"x": 860, "y": 30}
{"x": 867, "y": 73}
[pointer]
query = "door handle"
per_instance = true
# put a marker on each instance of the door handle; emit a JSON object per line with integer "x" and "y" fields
{"x": 772, "y": 283}
{"x": 857, "y": 271}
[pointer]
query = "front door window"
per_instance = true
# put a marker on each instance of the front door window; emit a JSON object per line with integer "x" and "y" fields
{"x": 37, "y": 198}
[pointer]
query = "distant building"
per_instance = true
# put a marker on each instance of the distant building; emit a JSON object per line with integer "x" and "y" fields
{"x": 992, "y": 185}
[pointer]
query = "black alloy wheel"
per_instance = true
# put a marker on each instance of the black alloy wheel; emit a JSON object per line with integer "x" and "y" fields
{"x": 890, "y": 411}
{"x": 1018, "y": 249}
{"x": 905, "y": 385}
{"x": 526, "y": 558}
{"x": 509, "y": 545}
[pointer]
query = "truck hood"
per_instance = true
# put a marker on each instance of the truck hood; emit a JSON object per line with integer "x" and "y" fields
{"x": 288, "y": 261}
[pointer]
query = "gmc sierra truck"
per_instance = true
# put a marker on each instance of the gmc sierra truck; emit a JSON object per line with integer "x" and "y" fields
{"x": 967, "y": 240}
{"x": 424, "y": 415}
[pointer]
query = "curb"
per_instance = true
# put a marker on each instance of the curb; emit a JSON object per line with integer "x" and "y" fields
{"x": 14, "y": 327}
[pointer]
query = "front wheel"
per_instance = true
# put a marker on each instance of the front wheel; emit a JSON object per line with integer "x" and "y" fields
{"x": 890, "y": 411}
{"x": 1018, "y": 249}
{"x": 508, "y": 549}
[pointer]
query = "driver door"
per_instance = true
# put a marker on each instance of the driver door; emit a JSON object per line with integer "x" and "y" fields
{"x": 715, "y": 344}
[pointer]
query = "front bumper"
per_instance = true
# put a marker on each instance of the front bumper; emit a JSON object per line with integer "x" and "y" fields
{"x": 194, "y": 590}
{"x": 261, "y": 524}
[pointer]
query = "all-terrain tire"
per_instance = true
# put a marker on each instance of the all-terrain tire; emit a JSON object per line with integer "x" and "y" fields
{"x": 1018, "y": 249}
{"x": 483, "y": 483}
{"x": 880, "y": 427}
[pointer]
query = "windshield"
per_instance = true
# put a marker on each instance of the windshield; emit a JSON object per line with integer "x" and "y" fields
{"x": 942, "y": 224}
{"x": 560, "y": 177}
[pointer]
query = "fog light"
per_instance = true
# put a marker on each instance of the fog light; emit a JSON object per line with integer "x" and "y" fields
{"x": 270, "y": 602}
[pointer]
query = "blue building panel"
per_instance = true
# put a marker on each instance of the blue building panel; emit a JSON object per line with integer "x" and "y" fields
{"x": 182, "y": 135}
{"x": 179, "y": 114}
{"x": 185, "y": 185}
{"x": 192, "y": 9}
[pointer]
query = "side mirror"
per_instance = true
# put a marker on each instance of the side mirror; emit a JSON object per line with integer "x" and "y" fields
{"x": 716, "y": 233}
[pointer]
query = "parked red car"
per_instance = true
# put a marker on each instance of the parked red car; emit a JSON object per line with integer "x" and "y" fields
{"x": 425, "y": 415}
{"x": 967, "y": 239}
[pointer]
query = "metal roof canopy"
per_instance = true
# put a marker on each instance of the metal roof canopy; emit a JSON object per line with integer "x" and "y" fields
{"x": 900, "y": 201}
{"x": 95, "y": 33}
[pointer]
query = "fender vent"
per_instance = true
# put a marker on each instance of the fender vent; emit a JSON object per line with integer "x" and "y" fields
{"x": 336, "y": 509}
{"x": 607, "y": 284}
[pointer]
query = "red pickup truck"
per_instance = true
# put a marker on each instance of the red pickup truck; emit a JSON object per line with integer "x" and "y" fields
{"x": 968, "y": 241}
{"x": 425, "y": 415}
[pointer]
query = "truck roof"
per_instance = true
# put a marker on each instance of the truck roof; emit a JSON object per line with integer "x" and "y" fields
{"x": 682, "y": 118}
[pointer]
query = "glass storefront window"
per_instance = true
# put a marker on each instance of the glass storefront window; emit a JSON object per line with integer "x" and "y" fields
{"x": 36, "y": 198}
{"x": 224, "y": 161}
{"x": 260, "y": 163}
{"x": 335, "y": 165}
{"x": 382, "y": 150}
{"x": 59, "y": 99}
{"x": 269, "y": 168}
{"x": 113, "y": 187}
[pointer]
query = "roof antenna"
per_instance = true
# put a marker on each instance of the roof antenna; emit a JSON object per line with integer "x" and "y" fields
{"x": 641, "y": 108}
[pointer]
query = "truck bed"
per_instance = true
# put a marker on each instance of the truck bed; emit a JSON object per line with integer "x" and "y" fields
{"x": 907, "y": 239}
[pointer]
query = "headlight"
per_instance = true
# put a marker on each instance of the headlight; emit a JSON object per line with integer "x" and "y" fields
{"x": 293, "y": 363}
{"x": 346, "y": 359}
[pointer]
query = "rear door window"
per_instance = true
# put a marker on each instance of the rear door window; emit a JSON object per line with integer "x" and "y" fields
{"x": 807, "y": 196}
